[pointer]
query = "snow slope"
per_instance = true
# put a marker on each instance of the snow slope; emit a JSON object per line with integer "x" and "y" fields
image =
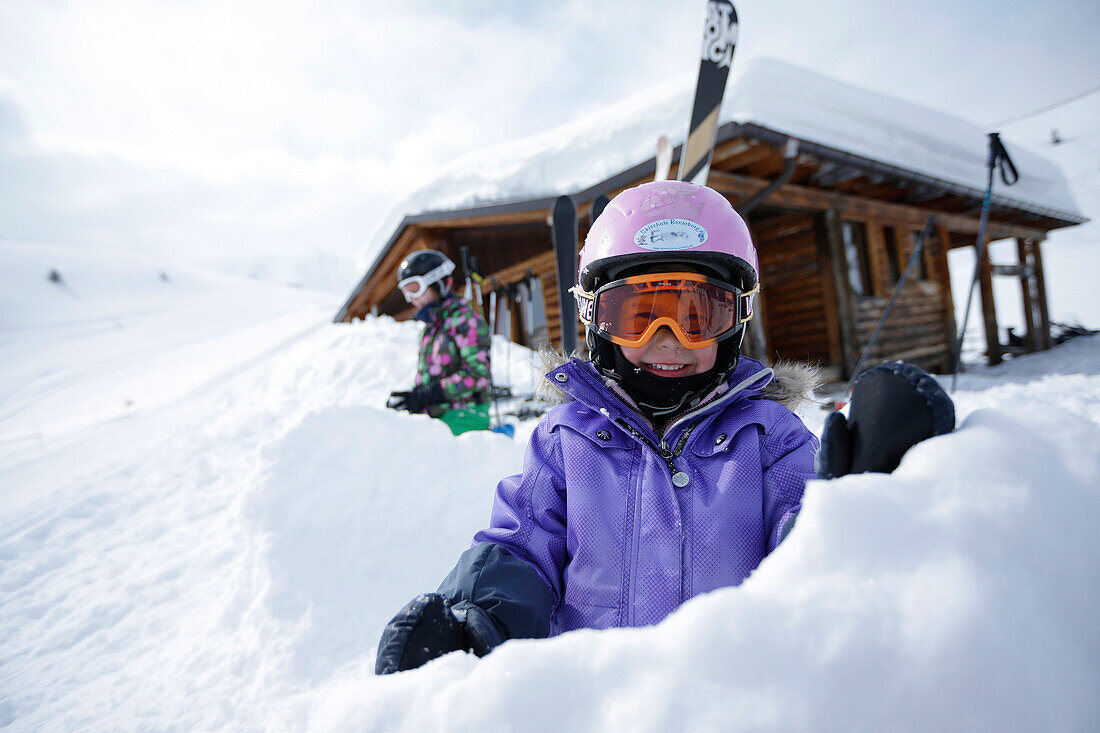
{"x": 223, "y": 553}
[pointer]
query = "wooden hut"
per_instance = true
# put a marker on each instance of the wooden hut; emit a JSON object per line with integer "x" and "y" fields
{"x": 840, "y": 182}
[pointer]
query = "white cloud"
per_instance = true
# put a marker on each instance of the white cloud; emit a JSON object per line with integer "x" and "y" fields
{"x": 215, "y": 127}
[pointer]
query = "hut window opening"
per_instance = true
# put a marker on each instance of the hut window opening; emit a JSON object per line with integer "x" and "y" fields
{"x": 859, "y": 262}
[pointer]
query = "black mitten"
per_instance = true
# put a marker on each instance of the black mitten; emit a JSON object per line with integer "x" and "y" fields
{"x": 417, "y": 399}
{"x": 894, "y": 406}
{"x": 398, "y": 401}
{"x": 429, "y": 627}
{"x": 423, "y": 395}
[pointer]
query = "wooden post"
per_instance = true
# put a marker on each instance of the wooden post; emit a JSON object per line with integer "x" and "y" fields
{"x": 1030, "y": 319}
{"x": 989, "y": 309}
{"x": 942, "y": 275}
{"x": 834, "y": 237}
{"x": 756, "y": 339}
{"x": 876, "y": 254}
{"x": 1043, "y": 342}
{"x": 826, "y": 267}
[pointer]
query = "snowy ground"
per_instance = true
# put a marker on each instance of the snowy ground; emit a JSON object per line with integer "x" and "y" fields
{"x": 206, "y": 517}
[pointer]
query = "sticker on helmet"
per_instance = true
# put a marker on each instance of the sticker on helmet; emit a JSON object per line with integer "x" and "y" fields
{"x": 669, "y": 235}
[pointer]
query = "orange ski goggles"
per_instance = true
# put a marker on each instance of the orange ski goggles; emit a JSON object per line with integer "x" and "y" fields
{"x": 698, "y": 310}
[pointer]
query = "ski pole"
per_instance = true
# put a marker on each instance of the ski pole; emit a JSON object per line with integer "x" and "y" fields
{"x": 998, "y": 158}
{"x": 473, "y": 281}
{"x": 918, "y": 248}
{"x": 476, "y": 276}
{"x": 492, "y": 339}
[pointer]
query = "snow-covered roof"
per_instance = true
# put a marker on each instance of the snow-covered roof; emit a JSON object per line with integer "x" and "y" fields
{"x": 765, "y": 93}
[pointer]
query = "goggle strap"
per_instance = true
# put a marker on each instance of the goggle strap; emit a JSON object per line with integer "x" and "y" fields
{"x": 586, "y": 303}
{"x": 746, "y": 303}
{"x": 434, "y": 275}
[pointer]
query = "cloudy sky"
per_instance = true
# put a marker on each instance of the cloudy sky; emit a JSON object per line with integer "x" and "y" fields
{"x": 224, "y": 130}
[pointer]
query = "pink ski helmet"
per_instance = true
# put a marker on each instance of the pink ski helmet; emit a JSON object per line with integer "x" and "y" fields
{"x": 668, "y": 221}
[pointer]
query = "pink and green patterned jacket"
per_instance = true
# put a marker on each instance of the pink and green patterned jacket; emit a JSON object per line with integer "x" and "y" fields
{"x": 454, "y": 353}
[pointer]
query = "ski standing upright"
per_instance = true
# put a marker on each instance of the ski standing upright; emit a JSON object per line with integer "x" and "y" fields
{"x": 563, "y": 231}
{"x": 719, "y": 42}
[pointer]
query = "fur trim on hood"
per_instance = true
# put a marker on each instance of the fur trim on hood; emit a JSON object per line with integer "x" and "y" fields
{"x": 792, "y": 383}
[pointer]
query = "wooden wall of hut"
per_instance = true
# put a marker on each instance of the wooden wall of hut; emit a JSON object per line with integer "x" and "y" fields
{"x": 832, "y": 249}
{"x": 796, "y": 300}
{"x": 920, "y": 329}
{"x": 808, "y": 312}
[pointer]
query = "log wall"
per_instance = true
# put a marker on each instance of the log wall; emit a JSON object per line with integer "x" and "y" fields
{"x": 914, "y": 332}
{"x": 796, "y": 295}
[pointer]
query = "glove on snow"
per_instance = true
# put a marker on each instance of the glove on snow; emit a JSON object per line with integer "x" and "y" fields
{"x": 417, "y": 399}
{"x": 428, "y": 627}
{"x": 398, "y": 400}
{"x": 894, "y": 406}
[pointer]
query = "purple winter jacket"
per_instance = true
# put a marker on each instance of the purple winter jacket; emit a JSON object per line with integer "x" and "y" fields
{"x": 623, "y": 526}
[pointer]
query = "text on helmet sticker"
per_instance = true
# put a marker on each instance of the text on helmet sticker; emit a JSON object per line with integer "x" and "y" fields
{"x": 669, "y": 235}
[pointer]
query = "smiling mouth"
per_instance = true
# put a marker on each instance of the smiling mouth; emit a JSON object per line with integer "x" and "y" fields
{"x": 667, "y": 370}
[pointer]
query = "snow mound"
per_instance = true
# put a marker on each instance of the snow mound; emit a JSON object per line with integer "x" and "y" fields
{"x": 348, "y": 538}
{"x": 959, "y": 592}
{"x": 225, "y": 554}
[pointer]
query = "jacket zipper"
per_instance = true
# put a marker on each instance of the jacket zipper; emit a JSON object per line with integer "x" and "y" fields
{"x": 663, "y": 450}
{"x": 668, "y": 456}
{"x": 727, "y": 396}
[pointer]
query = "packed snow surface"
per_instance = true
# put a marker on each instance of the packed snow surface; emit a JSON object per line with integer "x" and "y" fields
{"x": 207, "y": 517}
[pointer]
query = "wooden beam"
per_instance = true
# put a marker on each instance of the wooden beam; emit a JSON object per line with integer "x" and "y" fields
{"x": 756, "y": 338}
{"x": 769, "y": 166}
{"x": 729, "y": 150}
{"x": 1030, "y": 321}
{"x": 841, "y": 290}
{"x": 989, "y": 309}
{"x": 515, "y": 217}
{"x": 749, "y": 155}
{"x": 1043, "y": 342}
{"x": 381, "y": 281}
{"x": 877, "y": 259}
{"x": 942, "y": 275}
{"x": 825, "y": 268}
{"x": 923, "y": 194}
{"x": 793, "y": 196}
{"x": 831, "y": 174}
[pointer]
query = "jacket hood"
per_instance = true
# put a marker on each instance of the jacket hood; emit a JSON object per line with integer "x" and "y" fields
{"x": 791, "y": 383}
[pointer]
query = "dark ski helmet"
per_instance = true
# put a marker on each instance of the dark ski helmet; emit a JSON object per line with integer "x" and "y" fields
{"x": 422, "y": 270}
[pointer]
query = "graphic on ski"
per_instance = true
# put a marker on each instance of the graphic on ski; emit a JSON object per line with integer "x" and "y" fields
{"x": 719, "y": 41}
{"x": 563, "y": 232}
{"x": 598, "y": 205}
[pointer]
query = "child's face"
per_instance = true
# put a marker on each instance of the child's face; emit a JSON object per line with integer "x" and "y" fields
{"x": 665, "y": 356}
{"x": 428, "y": 296}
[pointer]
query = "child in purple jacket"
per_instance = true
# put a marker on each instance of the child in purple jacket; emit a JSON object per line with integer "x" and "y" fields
{"x": 672, "y": 469}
